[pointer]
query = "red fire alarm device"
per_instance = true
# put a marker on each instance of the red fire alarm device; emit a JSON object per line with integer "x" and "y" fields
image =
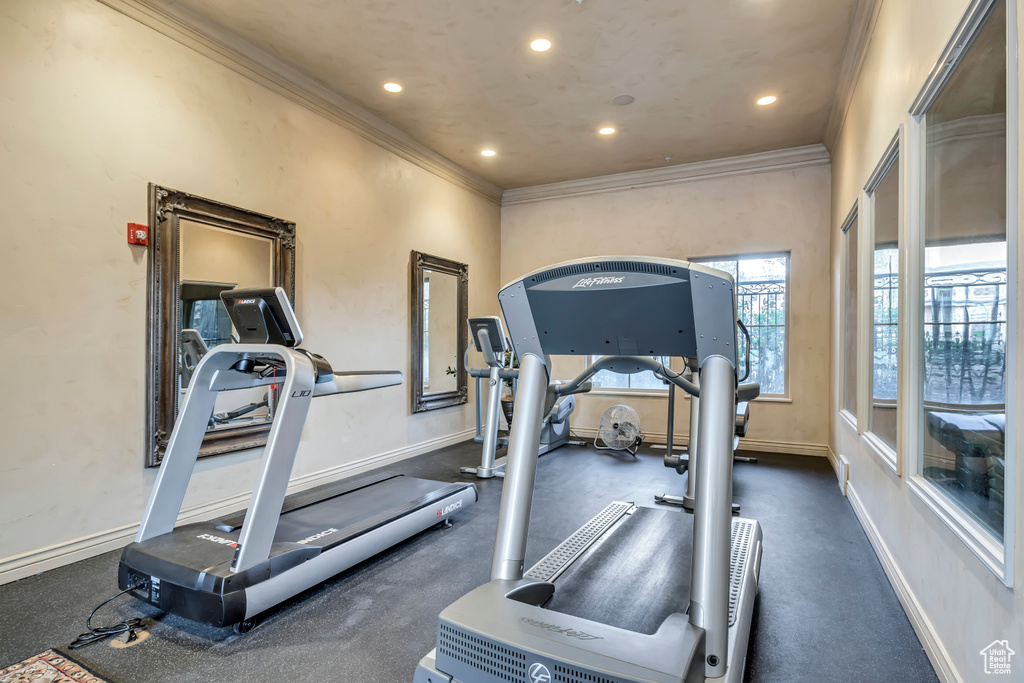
{"x": 138, "y": 233}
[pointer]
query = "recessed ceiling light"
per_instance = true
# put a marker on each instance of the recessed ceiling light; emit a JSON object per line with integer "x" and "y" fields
{"x": 488, "y": 152}
{"x": 540, "y": 45}
{"x": 606, "y": 131}
{"x": 392, "y": 87}
{"x": 769, "y": 99}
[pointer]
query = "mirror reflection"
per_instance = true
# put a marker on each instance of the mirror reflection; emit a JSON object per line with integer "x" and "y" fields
{"x": 440, "y": 332}
{"x": 212, "y": 260}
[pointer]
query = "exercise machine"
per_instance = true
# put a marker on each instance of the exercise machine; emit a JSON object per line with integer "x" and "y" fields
{"x": 638, "y": 593}
{"x": 689, "y": 463}
{"x": 229, "y": 570}
{"x": 488, "y": 335}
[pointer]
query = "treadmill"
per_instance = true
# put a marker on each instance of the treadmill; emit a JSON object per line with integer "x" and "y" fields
{"x": 227, "y": 571}
{"x": 637, "y": 594}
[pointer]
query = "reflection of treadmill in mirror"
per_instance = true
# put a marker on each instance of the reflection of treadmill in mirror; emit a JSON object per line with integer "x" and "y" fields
{"x": 229, "y": 570}
{"x": 488, "y": 337}
{"x": 193, "y": 348}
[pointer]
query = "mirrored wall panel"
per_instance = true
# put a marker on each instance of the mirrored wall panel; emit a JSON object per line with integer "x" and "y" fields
{"x": 885, "y": 304}
{"x": 965, "y": 257}
{"x": 440, "y": 304}
{"x": 201, "y": 248}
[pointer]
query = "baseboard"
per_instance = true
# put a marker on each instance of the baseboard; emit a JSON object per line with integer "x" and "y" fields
{"x": 833, "y": 460}
{"x": 57, "y": 555}
{"x": 933, "y": 647}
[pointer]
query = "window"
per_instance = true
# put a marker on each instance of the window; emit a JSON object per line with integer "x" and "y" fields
{"x": 848, "y": 399}
{"x": 963, "y": 282}
{"x": 761, "y": 287}
{"x": 884, "y": 196}
{"x": 641, "y": 381}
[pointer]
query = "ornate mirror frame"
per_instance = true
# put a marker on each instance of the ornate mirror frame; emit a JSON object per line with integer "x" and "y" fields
{"x": 422, "y": 402}
{"x": 166, "y": 209}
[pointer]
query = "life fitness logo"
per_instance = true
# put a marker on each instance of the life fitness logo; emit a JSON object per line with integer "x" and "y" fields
{"x": 449, "y": 508}
{"x": 539, "y": 673}
{"x": 592, "y": 281}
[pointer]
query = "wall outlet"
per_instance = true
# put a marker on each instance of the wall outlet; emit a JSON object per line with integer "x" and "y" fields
{"x": 844, "y": 473}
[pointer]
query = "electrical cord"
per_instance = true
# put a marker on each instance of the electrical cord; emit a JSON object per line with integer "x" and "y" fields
{"x": 129, "y": 627}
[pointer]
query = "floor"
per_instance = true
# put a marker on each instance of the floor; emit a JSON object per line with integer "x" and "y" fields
{"x": 826, "y": 611}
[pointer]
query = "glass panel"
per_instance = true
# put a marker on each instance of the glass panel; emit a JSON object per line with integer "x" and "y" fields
{"x": 440, "y": 331}
{"x": 606, "y": 379}
{"x": 964, "y": 303}
{"x": 211, "y": 260}
{"x": 761, "y": 305}
{"x": 885, "y": 276}
{"x": 849, "y": 402}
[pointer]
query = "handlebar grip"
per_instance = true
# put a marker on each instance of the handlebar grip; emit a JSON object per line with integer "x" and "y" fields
{"x": 748, "y": 391}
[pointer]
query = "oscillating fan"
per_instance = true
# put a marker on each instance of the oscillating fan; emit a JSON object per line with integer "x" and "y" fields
{"x": 619, "y": 430}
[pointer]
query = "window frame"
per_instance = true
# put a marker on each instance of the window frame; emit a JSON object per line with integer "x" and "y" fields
{"x": 786, "y": 396}
{"x": 892, "y": 157}
{"x": 853, "y": 215}
{"x": 997, "y": 556}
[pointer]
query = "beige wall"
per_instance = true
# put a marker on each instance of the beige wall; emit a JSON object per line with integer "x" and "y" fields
{"x": 959, "y": 605}
{"x": 742, "y": 214}
{"x": 93, "y": 106}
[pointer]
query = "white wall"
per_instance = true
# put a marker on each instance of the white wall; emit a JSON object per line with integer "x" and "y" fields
{"x": 782, "y": 210}
{"x": 957, "y": 605}
{"x": 93, "y": 106}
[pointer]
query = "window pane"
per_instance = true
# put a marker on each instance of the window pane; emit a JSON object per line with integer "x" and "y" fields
{"x": 728, "y": 266}
{"x": 606, "y": 379}
{"x": 761, "y": 305}
{"x": 885, "y": 276}
{"x": 849, "y": 351}
{"x": 964, "y": 290}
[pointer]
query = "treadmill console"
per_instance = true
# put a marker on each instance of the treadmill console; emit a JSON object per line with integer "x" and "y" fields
{"x": 495, "y": 332}
{"x": 262, "y": 316}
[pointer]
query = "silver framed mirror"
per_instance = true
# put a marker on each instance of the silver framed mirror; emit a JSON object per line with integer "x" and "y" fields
{"x": 439, "y": 332}
{"x": 199, "y": 248}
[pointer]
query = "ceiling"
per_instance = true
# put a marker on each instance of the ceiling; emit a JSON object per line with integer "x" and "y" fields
{"x": 472, "y": 82}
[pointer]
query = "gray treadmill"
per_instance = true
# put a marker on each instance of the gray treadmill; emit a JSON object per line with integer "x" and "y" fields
{"x": 637, "y": 593}
{"x": 227, "y": 571}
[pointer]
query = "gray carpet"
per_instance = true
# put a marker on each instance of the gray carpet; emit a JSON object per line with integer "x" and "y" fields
{"x": 826, "y": 610}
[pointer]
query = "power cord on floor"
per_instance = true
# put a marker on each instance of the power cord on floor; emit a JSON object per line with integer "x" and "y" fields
{"x": 129, "y": 627}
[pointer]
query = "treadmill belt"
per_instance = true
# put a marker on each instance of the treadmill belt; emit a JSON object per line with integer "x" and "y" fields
{"x": 636, "y": 577}
{"x": 314, "y": 495}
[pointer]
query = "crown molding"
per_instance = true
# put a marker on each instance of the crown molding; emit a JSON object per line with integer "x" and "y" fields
{"x": 244, "y": 58}
{"x": 794, "y": 157}
{"x": 864, "y": 19}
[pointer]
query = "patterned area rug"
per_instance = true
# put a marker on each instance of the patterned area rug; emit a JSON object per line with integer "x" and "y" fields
{"x": 48, "y": 667}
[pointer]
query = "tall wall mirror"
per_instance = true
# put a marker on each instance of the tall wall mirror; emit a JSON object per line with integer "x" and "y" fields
{"x": 440, "y": 308}
{"x": 200, "y": 248}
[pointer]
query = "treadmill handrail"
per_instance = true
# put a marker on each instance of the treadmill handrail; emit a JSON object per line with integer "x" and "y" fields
{"x": 575, "y": 385}
{"x": 347, "y": 382}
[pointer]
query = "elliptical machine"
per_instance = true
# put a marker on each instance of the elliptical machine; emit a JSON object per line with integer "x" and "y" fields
{"x": 488, "y": 336}
{"x": 689, "y": 464}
